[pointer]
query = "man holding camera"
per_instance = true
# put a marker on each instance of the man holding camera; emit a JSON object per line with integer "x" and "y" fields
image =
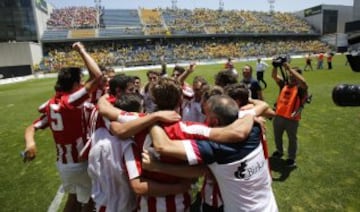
{"x": 292, "y": 97}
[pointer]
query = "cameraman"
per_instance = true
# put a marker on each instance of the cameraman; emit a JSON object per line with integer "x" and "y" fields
{"x": 293, "y": 92}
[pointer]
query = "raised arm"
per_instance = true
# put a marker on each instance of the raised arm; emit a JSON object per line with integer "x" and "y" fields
{"x": 186, "y": 73}
{"x": 91, "y": 65}
{"x": 275, "y": 75}
{"x": 298, "y": 76}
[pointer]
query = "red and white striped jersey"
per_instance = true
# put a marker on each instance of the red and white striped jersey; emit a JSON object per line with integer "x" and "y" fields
{"x": 64, "y": 113}
{"x": 179, "y": 202}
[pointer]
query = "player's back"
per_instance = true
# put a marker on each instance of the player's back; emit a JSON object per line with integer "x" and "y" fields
{"x": 247, "y": 165}
{"x": 110, "y": 184}
{"x": 65, "y": 115}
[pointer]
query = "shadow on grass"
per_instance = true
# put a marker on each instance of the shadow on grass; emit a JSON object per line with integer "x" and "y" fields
{"x": 279, "y": 165}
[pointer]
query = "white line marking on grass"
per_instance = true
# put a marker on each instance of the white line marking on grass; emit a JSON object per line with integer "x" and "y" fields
{"x": 55, "y": 204}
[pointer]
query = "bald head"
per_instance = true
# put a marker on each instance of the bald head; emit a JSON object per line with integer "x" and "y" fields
{"x": 221, "y": 110}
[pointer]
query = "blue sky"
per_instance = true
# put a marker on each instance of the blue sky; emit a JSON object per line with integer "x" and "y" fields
{"x": 258, "y": 5}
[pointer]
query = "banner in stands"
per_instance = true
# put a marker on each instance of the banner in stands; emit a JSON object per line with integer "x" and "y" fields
{"x": 42, "y": 5}
{"x": 312, "y": 11}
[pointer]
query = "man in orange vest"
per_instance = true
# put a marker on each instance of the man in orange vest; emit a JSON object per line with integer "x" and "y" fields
{"x": 293, "y": 95}
{"x": 320, "y": 58}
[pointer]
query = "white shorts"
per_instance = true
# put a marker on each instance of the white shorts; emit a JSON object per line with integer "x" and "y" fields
{"x": 75, "y": 180}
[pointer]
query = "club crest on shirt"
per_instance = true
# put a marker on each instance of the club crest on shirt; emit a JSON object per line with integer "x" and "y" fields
{"x": 245, "y": 172}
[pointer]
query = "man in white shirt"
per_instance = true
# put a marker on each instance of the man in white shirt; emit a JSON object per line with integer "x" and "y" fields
{"x": 260, "y": 69}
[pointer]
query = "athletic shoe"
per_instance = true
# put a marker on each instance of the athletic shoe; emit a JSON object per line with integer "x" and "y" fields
{"x": 290, "y": 163}
{"x": 277, "y": 154}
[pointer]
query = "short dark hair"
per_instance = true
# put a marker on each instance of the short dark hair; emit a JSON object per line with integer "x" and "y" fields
{"x": 200, "y": 79}
{"x": 179, "y": 69}
{"x": 119, "y": 81}
{"x": 209, "y": 91}
{"x": 166, "y": 93}
{"x": 224, "y": 108}
{"x": 67, "y": 77}
{"x": 152, "y": 72}
{"x": 129, "y": 102}
{"x": 238, "y": 92}
{"x": 136, "y": 77}
{"x": 224, "y": 78}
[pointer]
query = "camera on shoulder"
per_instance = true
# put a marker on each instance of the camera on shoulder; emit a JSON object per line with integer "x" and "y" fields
{"x": 278, "y": 61}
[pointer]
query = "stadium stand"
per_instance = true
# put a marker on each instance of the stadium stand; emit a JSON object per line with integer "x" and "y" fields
{"x": 113, "y": 18}
{"x": 83, "y": 33}
{"x": 150, "y": 17}
{"x": 119, "y": 32}
{"x": 129, "y": 37}
{"x": 177, "y": 22}
{"x": 131, "y": 53}
{"x": 60, "y": 34}
{"x": 73, "y": 17}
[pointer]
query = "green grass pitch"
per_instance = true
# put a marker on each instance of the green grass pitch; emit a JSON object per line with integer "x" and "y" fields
{"x": 327, "y": 177}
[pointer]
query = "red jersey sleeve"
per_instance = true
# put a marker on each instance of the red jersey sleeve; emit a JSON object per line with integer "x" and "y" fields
{"x": 41, "y": 123}
{"x": 187, "y": 130}
{"x": 75, "y": 99}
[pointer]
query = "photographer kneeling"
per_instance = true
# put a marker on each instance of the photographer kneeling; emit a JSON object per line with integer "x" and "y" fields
{"x": 293, "y": 95}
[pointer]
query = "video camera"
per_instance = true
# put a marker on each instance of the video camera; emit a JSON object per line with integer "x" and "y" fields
{"x": 278, "y": 61}
{"x": 346, "y": 95}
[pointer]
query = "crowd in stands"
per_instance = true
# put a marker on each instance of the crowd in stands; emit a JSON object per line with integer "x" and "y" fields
{"x": 183, "y": 21}
{"x": 233, "y": 21}
{"x": 150, "y": 17}
{"x": 135, "y": 54}
{"x": 73, "y": 17}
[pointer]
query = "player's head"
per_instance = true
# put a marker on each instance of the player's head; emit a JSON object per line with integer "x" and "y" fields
{"x": 109, "y": 73}
{"x": 209, "y": 92}
{"x": 129, "y": 102}
{"x": 153, "y": 76}
{"x": 137, "y": 84}
{"x": 121, "y": 84}
{"x": 166, "y": 94}
{"x": 224, "y": 78}
{"x": 68, "y": 79}
{"x": 239, "y": 92}
{"x": 221, "y": 110}
{"x": 247, "y": 71}
{"x": 178, "y": 70}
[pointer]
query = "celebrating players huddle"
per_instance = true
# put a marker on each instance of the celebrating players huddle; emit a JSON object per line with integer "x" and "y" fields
{"x": 130, "y": 150}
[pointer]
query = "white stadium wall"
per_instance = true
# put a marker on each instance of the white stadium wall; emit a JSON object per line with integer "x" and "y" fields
{"x": 18, "y": 58}
{"x": 20, "y": 53}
